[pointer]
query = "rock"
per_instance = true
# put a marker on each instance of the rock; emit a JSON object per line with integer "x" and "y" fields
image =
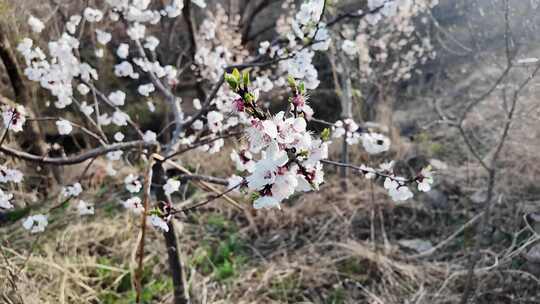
{"x": 533, "y": 260}
{"x": 533, "y": 255}
{"x": 479, "y": 197}
{"x": 417, "y": 245}
{"x": 436, "y": 199}
{"x": 438, "y": 165}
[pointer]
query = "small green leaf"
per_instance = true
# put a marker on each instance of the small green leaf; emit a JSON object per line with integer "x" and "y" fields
{"x": 236, "y": 75}
{"x": 231, "y": 80}
{"x": 255, "y": 195}
{"x": 248, "y": 97}
{"x": 246, "y": 79}
{"x": 325, "y": 135}
{"x": 292, "y": 82}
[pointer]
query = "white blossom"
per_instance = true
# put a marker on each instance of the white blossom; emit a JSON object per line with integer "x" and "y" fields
{"x": 398, "y": 192}
{"x": 35, "y": 223}
{"x": 86, "y": 109}
{"x": 35, "y": 24}
{"x": 200, "y": 3}
{"x": 123, "y": 50}
{"x": 10, "y": 175}
{"x": 349, "y": 47}
{"x": 125, "y": 69}
{"x": 215, "y": 121}
{"x": 132, "y": 183}
{"x": 151, "y": 43}
{"x": 115, "y": 155}
{"x": 14, "y": 118}
{"x": 149, "y": 136}
{"x": 64, "y": 127}
{"x": 375, "y": 143}
{"x": 83, "y": 89}
{"x": 134, "y": 204}
{"x": 146, "y": 89}
{"x": 159, "y": 223}
{"x": 103, "y": 37}
{"x": 120, "y": 118}
{"x": 243, "y": 161}
{"x": 197, "y": 125}
{"x": 4, "y": 200}
{"x": 118, "y": 136}
{"x": 117, "y": 98}
{"x": 266, "y": 169}
{"x": 234, "y": 181}
{"x": 71, "y": 25}
{"x": 174, "y": 9}
{"x": 92, "y": 15}
{"x": 171, "y": 186}
{"x": 425, "y": 179}
{"x": 136, "y": 31}
{"x": 85, "y": 208}
{"x": 72, "y": 191}
{"x": 151, "y": 106}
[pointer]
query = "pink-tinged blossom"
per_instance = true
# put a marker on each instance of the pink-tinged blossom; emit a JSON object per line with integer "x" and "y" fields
{"x": 215, "y": 121}
{"x": 238, "y": 104}
{"x": 243, "y": 160}
{"x": 134, "y": 204}
{"x": 14, "y": 118}
{"x": 267, "y": 168}
{"x": 398, "y": 192}
{"x": 425, "y": 179}
{"x": 347, "y": 128}
{"x": 375, "y": 143}
{"x": 132, "y": 183}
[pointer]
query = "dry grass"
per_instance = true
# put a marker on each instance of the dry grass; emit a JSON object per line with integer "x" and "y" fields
{"x": 329, "y": 246}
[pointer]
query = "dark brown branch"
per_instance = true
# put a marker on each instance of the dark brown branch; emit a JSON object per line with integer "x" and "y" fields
{"x": 248, "y": 23}
{"x": 171, "y": 243}
{"x": 205, "y": 178}
{"x": 186, "y": 13}
{"x": 79, "y": 158}
{"x": 206, "y": 202}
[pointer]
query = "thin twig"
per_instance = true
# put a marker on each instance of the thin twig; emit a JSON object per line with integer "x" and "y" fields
{"x": 140, "y": 251}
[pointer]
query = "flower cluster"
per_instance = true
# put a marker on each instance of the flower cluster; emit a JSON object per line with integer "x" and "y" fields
{"x": 290, "y": 156}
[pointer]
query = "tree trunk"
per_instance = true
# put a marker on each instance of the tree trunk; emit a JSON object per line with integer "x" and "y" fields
{"x": 31, "y": 139}
{"x": 346, "y": 112}
{"x": 384, "y": 115}
{"x": 175, "y": 264}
